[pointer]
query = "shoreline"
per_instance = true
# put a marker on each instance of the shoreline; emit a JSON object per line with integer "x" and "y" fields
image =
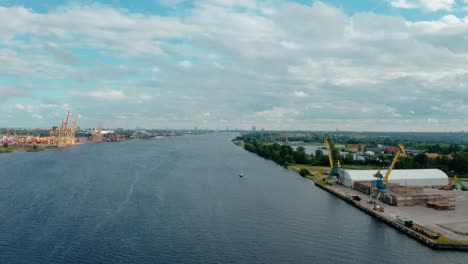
{"x": 22, "y": 149}
{"x": 417, "y": 232}
{"x": 432, "y": 243}
{"x": 442, "y": 243}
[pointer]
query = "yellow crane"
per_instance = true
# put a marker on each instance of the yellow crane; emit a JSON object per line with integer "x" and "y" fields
{"x": 330, "y": 158}
{"x": 382, "y": 181}
{"x": 334, "y": 167}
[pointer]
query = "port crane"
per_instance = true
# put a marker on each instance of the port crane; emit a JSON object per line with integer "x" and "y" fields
{"x": 459, "y": 182}
{"x": 335, "y": 167}
{"x": 454, "y": 184}
{"x": 381, "y": 182}
{"x": 99, "y": 129}
{"x": 75, "y": 121}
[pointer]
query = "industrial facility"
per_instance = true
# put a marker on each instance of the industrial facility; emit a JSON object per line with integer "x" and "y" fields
{"x": 96, "y": 134}
{"x": 420, "y": 177}
{"x": 426, "y": 187}
{"x": 59, "y": 136}
{"x": 64, "y": 135}
{"x": 424, "y": 203}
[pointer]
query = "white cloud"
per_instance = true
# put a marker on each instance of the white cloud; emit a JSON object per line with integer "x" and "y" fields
{"x": 172, "y": 2}
{"x": 107, "y": 94}
{"x": 365, "y": 109}
{"x": 37, "y": 116}
{"x": 185, "y": 64}
{"x": 121, "y": 31}
{"x": 431, "y": 120}
{"x": 431, "y": 5}
{"x": 300, "y": 94}
{"x": 291, "y": 45}
{"x": 145, "y": 98}
{"x": 402, "y": 4}
{"x": 277, "y": 113}
{"x": 19, "y": 106}
{"x": 235, "y": 57}
{"x": 27, "y": 108}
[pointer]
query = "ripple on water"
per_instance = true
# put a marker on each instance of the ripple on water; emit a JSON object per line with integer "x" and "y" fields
{"x": 180, "y": 200}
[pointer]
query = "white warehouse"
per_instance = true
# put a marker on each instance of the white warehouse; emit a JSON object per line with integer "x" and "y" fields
{"x": 423, "y": 177}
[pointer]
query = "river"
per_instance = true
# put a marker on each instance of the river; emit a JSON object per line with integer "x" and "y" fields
{"x": 180, "y": 200}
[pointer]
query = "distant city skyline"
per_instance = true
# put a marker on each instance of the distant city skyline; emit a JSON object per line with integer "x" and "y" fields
{"x": 370, "y": 65}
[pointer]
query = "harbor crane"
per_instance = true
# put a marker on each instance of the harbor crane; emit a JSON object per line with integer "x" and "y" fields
{"x": 454, "y": 184}
{"x": 459, "y": 182}
{"x": 75, "y": 121}
{"x": 99, "y": 129}
{"x": 381, "y": 182}
{"x": 66, "y": 122}
{"x": 335, "y": 167}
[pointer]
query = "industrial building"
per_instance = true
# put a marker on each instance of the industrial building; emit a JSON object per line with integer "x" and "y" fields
{"x": 420, "y": 177}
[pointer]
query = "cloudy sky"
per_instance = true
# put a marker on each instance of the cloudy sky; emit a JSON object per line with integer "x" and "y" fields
{"x": 368, "y": 65}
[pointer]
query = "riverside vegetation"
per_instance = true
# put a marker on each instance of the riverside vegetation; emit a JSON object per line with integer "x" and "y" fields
{"x": 453, "y": 158}
{"x": 6, "y": 148}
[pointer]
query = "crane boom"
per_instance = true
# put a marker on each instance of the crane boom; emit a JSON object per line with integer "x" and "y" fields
{"x": 75, "y": 121}
{"x": 330, "y": 158}
{"x": 400, "y": 150}
{"x": 66, "y": 122}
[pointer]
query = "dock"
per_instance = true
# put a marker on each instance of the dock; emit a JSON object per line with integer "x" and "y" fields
{"x": 422, "y": 234}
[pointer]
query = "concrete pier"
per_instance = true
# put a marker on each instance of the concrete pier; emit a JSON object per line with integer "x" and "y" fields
{"x": 391, "y": 221}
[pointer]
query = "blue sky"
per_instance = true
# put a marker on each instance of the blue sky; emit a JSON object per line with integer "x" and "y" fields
{"x": 369, "y": 65}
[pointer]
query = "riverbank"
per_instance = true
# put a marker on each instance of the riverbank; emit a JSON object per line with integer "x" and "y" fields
{"x": 418, "y": 232}
{"x": 22, "y": 148}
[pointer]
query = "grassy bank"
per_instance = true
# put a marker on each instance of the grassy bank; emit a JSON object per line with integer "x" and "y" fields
{"x": 316, "y": 172}
{"x": 36, "y": 149}
{"x": 5, "y": 150}
{"x": 13, "y": 148}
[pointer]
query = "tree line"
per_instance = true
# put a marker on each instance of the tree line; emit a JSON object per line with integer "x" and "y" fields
{"x": 284, "y": 154}
{"x": 430, "y": 142}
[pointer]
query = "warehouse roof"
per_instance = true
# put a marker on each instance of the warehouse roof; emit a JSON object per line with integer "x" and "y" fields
{"x": 367, "y": 175}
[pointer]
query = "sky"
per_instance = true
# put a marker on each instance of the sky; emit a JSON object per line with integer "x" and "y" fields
{"x": 368, "y": 65}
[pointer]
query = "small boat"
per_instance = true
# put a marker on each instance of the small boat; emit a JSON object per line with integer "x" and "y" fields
{"x": 241, "y": 174}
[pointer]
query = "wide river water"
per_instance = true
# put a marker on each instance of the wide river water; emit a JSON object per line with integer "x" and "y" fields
{"x": 180, "y": 200}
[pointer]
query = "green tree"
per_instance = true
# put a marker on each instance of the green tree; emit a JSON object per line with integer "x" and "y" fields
{"x": 318, "y": 154}
{"x": 304, "y": 172}
{"x": 300, "y": 156}
{"x": 421, "y": 161}
{"x": 459, "y": 164}
{"x": 335, "y": 154}
{"x": 300, "y": 149}
{"x": 5, "y": 144}
{"x": 349, "y": 158}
